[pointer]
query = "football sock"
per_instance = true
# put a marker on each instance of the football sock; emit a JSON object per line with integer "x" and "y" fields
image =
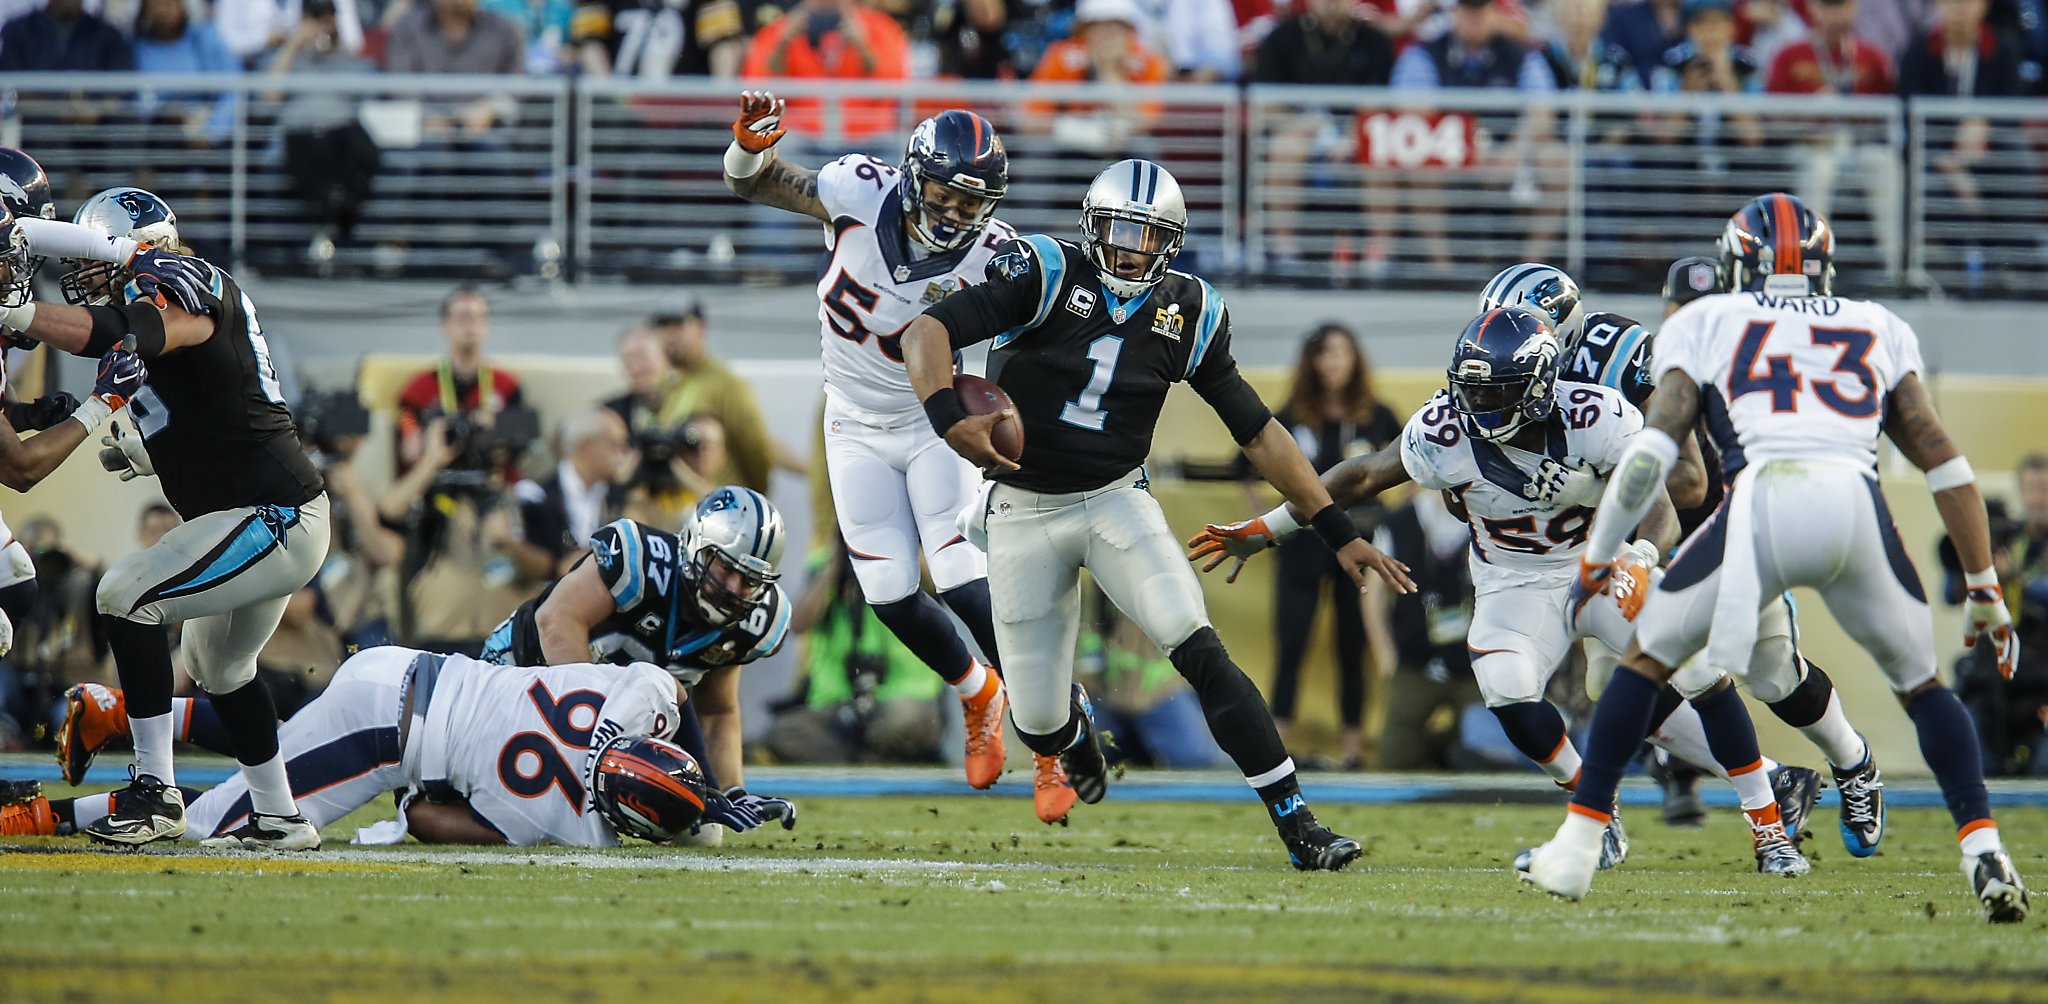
{"x": 1684, "y": 736}
{"x": 1235, "y": 710}
{"x": 1537, "y": 730}
{"x": 921, "y": 624}
{"x": 1282, "y": 797}
{"x": 1620, "y": 721}
{"x": 270, "y": 789}
{"x": 690, "y": 736}
{"x": 250, "y": 720}
{"x": 199, "y": 724}
{"x": 1732, "y": 738}
{"x": 142, "y": 660}
{"x": 1815, "y": 710}
{"x": 975, "y": 682}
{"x": 970, "y": 603}
{"x": 1055, "y": 742}
{"x": 1949, "y": 745}
{"x": 1980, "y": 837}
{"x": 85, "y": 811}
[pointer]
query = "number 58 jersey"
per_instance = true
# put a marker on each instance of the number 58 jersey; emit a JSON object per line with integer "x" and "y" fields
{"x": 875, "y": 281}
{"x": 1517, "y": 539}
{"x": 1789, "y": 378}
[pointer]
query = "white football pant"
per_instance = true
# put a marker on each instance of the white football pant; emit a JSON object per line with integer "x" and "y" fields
{"x": 897, "y": 489}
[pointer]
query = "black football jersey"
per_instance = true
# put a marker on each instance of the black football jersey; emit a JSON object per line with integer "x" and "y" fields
{"x": 1615, "y": 351}
{"x": 650, "y": 622}
{"x": 213, "y": 417}
{"x": 1089, "y": 371}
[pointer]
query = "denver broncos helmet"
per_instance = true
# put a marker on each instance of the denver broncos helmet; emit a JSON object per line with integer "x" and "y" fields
{"x": 1779, "y": 246}
{"x": 960, "y": 150}
{"x": 649, "y": 788}
{"x": 1503, "y": 374}
{"x": 24, "y": 194}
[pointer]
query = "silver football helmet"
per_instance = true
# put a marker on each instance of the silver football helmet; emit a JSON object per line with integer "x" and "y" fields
{"x": 1543, "y": 290}
{"x": 730, "y": 547}
{"x": 1133, "y": 209}
{"x": 119, "y": 212}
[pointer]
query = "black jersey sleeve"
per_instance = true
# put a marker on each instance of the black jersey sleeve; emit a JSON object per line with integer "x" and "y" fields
{"x": 1212, "y": 372}
{"x": 1023, "y": 282}
{"x": 630, "y": 561}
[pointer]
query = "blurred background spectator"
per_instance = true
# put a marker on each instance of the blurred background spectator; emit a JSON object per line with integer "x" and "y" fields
{"x": 363, "y": 554}
{"x": 999, "y": 39}
{"x": 833, "y": 40}
{"x": 1421, "y": 636}
{"x": 169, "y": 40}
{"x": 457, "y": 36}
{"x": 656, "y": 39}
{"x": 62, "y": 35}
{"x": 1105, "y": 49}
{"x": 558, "y": 513}
{"x": 857, "y": 695}
{"x": 2012, "y": 715}
{"x": 1962, "y": 57}
{"x": 1581, "y": 54}
{"x": 1834, "y": 60}
{"x": 1646, "y": 30}
{"x": 702, "y": 386}
{"x": 330, "y": 159}
{"x": 646, "y": 371}
{"x": 1334, "y": 415}
{"x": 1197, "y": 37}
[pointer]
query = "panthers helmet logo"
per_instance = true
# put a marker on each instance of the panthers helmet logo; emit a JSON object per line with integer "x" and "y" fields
{"x": 141, "y": 208}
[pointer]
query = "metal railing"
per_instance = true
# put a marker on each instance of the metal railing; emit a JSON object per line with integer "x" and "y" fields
{"x": 1292, "y": 185}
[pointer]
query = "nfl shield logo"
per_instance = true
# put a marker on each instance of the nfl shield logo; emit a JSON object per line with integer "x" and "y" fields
{"x": 1700, "y": 278}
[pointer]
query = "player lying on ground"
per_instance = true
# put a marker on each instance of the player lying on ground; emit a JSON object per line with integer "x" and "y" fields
{"x": 899, "y": 239}
{"x": 1522, "y": 456}
{"x": 1614, "y": 351}
{"x": 484, "y": 755}
{"x": 1087, "y": 342}
{"x": 215, "y": 430}
{"x": 1798, "y": 385}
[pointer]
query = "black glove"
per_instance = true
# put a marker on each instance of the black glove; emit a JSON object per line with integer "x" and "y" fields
{"x": 170, "y": 277}
{"x": 738, "y": 811}
{"x": 42, "y": 413}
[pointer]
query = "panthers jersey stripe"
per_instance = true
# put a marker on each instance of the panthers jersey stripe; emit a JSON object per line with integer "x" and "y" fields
{"x": 1205, "y": 326}
{"x": 632, "y": 581}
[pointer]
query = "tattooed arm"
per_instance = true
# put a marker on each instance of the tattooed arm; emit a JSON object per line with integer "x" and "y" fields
{"x": 782, "y": 185}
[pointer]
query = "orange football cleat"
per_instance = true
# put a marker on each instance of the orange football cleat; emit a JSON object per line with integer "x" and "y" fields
{"x": 984, "y": 713}
{"x": 32, "y": 818}
{"x": 93, "y": 717}
{"x": 1051, "y": 795}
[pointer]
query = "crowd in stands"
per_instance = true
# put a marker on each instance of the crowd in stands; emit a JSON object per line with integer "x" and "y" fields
{"x": 1915, "y": 47}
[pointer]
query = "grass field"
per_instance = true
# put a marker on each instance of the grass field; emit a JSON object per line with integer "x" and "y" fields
{"x": 943, "y": 899}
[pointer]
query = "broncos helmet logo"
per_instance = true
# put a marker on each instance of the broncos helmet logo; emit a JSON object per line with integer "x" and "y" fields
{"x": 1539, "y": 346}
{"x": 11, "y": 189}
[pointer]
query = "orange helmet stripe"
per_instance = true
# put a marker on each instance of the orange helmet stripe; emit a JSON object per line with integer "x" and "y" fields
{"x": 1790, "y": 259}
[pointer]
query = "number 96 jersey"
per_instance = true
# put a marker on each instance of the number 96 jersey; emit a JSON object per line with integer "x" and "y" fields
{"x": 871, "y": 286}
{"x": 1518, "y": 539}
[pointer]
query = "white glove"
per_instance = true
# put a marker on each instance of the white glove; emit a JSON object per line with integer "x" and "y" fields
{"x": 1985, "y": 615}
{"x": 6, "y": 633}
{"x": 1569, "y": 482}
{"x": 125, "y": 455}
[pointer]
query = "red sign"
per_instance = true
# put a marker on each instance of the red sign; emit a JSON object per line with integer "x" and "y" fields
{"x": 1407, "y": 139}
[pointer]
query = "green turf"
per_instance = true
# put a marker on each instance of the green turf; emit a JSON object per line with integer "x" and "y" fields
{"x": 970, "y": 898}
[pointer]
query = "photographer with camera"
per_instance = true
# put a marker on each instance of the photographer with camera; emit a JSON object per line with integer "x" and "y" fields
{"x": 673, "y": 468}
{"x": 348, "y": 590}
{"x": 462, "y": 431}
{"x": 702, "y": 385}
{"x": 558, "y": 513}
{"x": 2011, "y": 714}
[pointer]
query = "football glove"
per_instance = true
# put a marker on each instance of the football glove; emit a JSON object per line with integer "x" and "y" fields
{"x": 1570, "y": 482}
{"x": 120, "y": 375}
{"x": 1985, "y": 615}
{"x": 45, "y": 412}
{"x": 167, "y": 278}
{"x": 125, "y": 455}
{"x": 1219, "y": 542}
{"x": 760, "y": 123}
{"x": 6, "y": 633}
{"x": 739, "y": 811}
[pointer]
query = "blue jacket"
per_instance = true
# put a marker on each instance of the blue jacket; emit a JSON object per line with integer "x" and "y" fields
{"x": 35, "y": 41}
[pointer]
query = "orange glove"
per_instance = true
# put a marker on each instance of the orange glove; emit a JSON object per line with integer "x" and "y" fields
{"x": 1222, "y": 542}
{"x": 760, "y": 123}
{"x": 1985, "y": 615}
{"x": 1630, "y": 583}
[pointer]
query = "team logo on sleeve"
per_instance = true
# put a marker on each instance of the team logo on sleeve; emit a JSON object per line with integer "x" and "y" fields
{"x": 1168, "y": 321}
{"x": 1009, "y": 266}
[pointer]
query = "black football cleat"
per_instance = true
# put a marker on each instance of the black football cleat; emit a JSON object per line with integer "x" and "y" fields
{"x": 16, "y": 792}
{"x": 1087, "y": 769}
{"x": 1996, "y": 884}
{"x": 1862, "y": 792}
{"x": 146, "y": 811}
{"x": 1312, "y": 847}
{"x": 1680, "y": 783}
{"x": 1796, "y": 789}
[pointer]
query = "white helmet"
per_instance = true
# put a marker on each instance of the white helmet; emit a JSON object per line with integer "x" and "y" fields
{"x": 1543, "y": 290}
{"x": 739, "y": 529}
{"x": 1134, "y": 207}
{"x": 118, "y": 212}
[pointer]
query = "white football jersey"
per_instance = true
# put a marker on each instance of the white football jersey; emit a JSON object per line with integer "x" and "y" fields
{"x": 876, "y": 280}
{"x": 1516, "y": 540}
{"x": 517, "y": 742}
{"x": 1789, "y": 378}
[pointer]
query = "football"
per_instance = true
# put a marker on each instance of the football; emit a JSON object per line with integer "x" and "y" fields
{"x": 980, "y": 397}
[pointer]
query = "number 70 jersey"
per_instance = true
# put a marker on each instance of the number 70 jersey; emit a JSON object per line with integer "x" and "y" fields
{"x": 1789, "y": 378}
{"x": 1518, "y": 540}
{"x": 871, "y": 286}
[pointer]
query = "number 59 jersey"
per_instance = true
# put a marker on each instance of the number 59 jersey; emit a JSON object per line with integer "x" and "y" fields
{"x": 1518, "y": 540}
{"x": 516, "y": 742}
{"x": 1789, "y": 378}
{"x": 873, "y": 285}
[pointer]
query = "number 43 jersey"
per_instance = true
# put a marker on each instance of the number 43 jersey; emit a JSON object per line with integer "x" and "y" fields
{"x": 516, "y": 743}
{"x": 1518, "y": 540}
{"x": 875, "y": 281}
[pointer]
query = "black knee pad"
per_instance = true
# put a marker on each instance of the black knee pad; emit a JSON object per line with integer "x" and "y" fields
{"x": 1807, "y": 702}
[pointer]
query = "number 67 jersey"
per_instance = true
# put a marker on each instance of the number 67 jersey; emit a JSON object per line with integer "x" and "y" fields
{"x": 1789, "y": 378}
{"x": 1517, "y": 538}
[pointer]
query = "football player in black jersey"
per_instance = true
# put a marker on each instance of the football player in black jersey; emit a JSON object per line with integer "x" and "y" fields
{"x": 700, "y": 603}
{"x": 1087, "y": 341}
{"x": 215, "y": 430}
{"x": 1613, "y": 350}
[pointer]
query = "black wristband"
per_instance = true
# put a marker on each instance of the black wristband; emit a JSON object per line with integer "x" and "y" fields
{"x": 1334, "y": 526}
{"x": 944, "y": 410}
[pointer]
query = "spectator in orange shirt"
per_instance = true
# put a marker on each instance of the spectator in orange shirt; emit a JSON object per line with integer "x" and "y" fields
{"x": 1105, "y": 50}
{"x": 833, "y": 40}
{"x": 1833, "y": 60}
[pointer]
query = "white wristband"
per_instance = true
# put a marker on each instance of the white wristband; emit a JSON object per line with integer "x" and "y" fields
{"x": 1645, "y": 550}
{"x": 91, "y": 412}
{"x": 18, "y": 318}
{"x": 1953, "y": 474}
{"x": 1280, "y": 522}
{"x": 1980, "y": 580}
{"x": 741, "y": 164}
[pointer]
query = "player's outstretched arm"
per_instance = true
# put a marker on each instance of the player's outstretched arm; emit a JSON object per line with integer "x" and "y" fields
{"x": 1280, "y": 461}
{"x": 753, "y": 170}
{"x": 1915, "y": 428}
{"x": 578, "y": 603}
{"x": 928, "y": 355}
{"x": 1638, "y": 480}
{"x": 1349, "y": 484}
{"x": 94, "y": 331}
{"x": 1687, "y": 482}
{"x": 25, "y": 462}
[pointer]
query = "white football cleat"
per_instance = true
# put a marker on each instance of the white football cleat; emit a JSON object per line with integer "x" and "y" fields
{"x": 269, "y": 833}
{"x": 1564, "y": 867}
